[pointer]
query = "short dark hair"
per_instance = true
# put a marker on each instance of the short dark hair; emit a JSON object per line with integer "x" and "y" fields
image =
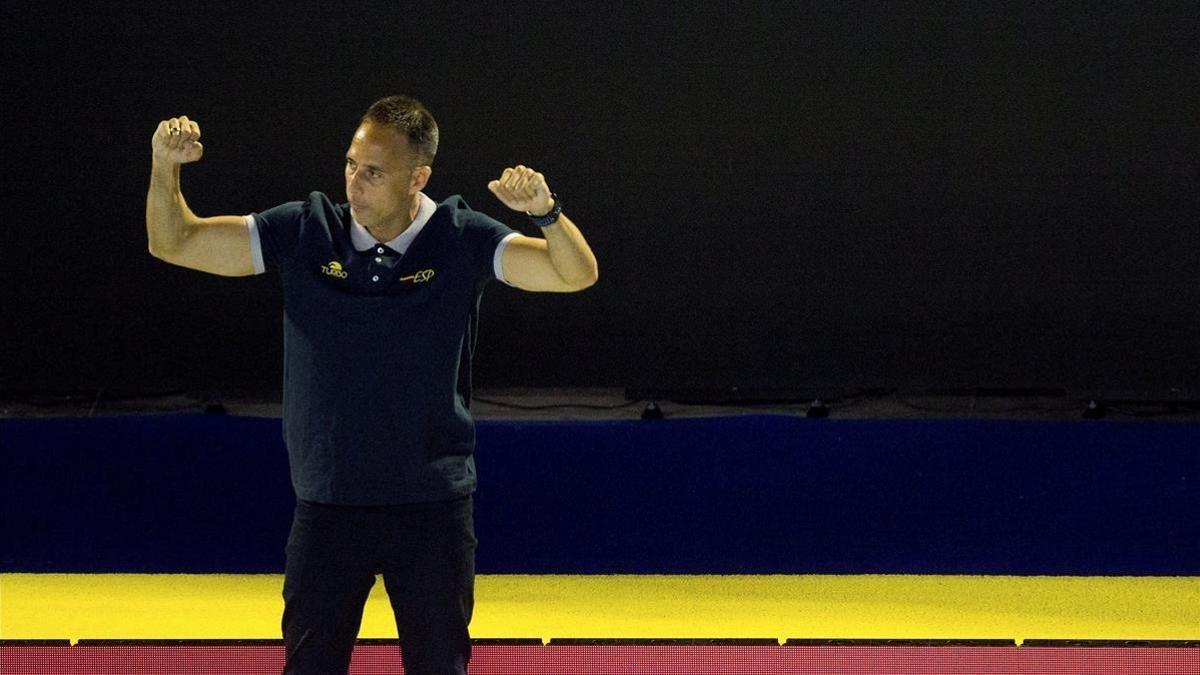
{"x": 408, "y": 116}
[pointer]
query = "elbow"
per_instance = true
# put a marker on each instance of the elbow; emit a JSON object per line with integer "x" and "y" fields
{"x": 161, "y": 244}
{"x": 157, "y": 250}
{"x": 588, "y": 280}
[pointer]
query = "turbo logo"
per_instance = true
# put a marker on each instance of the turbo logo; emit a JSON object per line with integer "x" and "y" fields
{"x": 334, "y": 269}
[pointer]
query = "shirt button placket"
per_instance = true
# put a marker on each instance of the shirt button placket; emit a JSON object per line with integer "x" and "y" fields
{"x": 378, "y": 249}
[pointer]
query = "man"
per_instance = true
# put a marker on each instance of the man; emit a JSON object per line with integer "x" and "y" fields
{"x": 381, "y": 298}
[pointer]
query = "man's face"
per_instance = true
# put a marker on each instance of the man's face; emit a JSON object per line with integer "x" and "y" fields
{"x": 381, "y": 176}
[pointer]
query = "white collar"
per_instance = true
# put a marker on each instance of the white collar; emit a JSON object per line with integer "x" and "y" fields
{"x": 363, "y": 241}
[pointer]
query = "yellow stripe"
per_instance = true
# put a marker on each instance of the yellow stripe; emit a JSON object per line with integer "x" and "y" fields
{"x": 127, "y": 606}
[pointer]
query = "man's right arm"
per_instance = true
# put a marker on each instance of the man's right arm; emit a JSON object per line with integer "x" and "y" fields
{"x": 218, "y": 245}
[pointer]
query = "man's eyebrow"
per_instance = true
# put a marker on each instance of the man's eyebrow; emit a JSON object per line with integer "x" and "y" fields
{"x": 373, "y": 167}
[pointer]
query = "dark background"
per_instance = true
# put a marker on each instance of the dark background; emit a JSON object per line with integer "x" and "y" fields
{"x": 781, "y": 195}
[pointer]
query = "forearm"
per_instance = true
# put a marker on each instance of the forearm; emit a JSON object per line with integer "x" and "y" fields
{"x": 570, "y": 254}
{"x": 167, "y": 214}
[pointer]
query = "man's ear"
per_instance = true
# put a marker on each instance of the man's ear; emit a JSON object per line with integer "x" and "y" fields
{"x": 420, "y": 177}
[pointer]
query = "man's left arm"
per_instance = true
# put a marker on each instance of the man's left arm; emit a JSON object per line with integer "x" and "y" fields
{"x": 562, "y": 262}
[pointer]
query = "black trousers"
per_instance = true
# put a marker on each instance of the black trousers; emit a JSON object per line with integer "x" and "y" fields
{"x": 426, "y": 553}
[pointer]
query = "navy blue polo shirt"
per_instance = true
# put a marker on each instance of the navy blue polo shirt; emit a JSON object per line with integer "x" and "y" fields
{"x": 378, "y": 345}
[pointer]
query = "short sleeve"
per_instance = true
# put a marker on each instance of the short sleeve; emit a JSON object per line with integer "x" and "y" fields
{"x": 486, "y": 238}
{"x": 276, "y": 232}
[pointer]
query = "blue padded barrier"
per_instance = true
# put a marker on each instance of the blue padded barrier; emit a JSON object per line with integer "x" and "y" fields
{"x": 748, "y": 494}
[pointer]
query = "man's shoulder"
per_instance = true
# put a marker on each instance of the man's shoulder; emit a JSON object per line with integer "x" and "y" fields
{"x": 317, "y": 204}
{"x": 460, "y": 214}
{"x": 456, "y": 209}
{"x": 325, "y": 219}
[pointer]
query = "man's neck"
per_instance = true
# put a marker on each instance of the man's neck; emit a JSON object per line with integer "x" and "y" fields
{"x": 384, "y": 233}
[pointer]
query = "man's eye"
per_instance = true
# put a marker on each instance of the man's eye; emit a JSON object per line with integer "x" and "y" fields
{"x": 375, "y": 174}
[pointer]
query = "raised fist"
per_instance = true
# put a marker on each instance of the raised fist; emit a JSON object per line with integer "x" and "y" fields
{"x": 523, "y": 189}
{"x": 177, "y": 141}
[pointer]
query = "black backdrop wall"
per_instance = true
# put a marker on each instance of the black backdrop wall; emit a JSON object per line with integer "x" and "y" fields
{"x": 781, "y": 195}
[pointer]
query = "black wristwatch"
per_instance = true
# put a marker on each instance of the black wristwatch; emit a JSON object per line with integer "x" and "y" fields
{"x": 550, "y": 218}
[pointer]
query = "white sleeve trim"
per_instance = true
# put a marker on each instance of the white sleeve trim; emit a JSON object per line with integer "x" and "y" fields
{"x": 496, "y": 266}
{"x": 255, "y": 246}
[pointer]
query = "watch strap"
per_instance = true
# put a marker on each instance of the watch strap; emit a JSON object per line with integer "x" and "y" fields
{"x": 549, "y": 218}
